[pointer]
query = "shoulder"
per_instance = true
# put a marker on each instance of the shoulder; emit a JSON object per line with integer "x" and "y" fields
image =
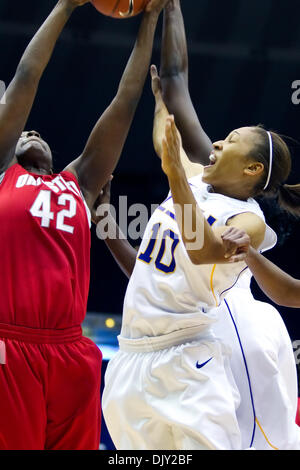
{"x": 12, "y": 171}
{"x": 252, "y": 224}
{"x": 71, "y": 171}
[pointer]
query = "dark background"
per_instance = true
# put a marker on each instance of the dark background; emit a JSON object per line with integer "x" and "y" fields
{"x": 244, "y": 57}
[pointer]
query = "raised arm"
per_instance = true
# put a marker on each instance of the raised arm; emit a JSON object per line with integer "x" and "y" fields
{"x": 22, "y": 90}
{"x": 203, "y": 243}
{"x": 107, "y": 139}
{"x": 174, "y": 79}
{"x": 161, "y": 115}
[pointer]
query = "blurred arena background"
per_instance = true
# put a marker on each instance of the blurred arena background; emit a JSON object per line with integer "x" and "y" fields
{"x": 244, "y": 58}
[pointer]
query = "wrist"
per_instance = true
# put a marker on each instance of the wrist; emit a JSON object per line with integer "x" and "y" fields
{"x": 171, "y": 6}
{"x": 176, "y": 173}
{"x": 152, "y": 15}
{"x": 251, "y": 254}
{"x": 159, "y": 105}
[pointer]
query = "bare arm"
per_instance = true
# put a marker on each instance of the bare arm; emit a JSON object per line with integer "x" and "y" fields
{"x": 22, "y": 90}
{"x": 279, "y": 286}
{"x": 174, "y": 79}
{"x": 204, "y": 244}
{"x": 120, "y": 248}
{"x": 107, "y": 139}
{"x": 161, "y": 115}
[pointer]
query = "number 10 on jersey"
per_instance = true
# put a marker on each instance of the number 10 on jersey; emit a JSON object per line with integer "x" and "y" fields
{"x": 146, "y": 257}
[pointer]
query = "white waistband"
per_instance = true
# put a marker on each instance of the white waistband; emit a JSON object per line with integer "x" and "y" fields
{"x": 157, "y": 343}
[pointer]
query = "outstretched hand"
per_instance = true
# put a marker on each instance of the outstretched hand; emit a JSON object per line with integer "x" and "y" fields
{"x": 103, "y": 198}
{"x": 236, "y": 243}
{"x": 171, "y": 146}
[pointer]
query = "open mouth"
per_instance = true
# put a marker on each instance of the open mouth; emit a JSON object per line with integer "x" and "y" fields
{"x": 212, "y": 159}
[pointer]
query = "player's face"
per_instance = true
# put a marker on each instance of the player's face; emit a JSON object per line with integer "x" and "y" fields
{"x": 33, "y": 153}
{"x": 229, "y": 161}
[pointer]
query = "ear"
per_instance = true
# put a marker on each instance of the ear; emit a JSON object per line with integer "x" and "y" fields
{"x": 254, "y": 169}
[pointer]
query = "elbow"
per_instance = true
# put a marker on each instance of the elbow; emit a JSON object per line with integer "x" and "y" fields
{"x": 198, "y": 257}
{"x": 129, "y": 93}
{"x": 174, "y": 80}
{"x": 195, "y": 258}
{"x": 28, "y": 73}
{"x": 175, "y": 73}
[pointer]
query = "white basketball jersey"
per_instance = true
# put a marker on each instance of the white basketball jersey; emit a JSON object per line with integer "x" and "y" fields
{"x": 166, "y": 291}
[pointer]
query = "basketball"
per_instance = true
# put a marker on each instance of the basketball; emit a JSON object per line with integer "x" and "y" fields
{"x": 121, "y": 9}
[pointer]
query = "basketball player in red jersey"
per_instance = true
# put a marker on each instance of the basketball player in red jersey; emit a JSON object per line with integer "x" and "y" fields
{"x": 49, "y": 374}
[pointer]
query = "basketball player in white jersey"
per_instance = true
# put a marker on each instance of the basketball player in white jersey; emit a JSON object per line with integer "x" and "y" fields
{"x": 262, "y": 358}
{"x": 169, "y": 386}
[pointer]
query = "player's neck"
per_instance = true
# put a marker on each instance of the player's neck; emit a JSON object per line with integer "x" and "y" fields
{"x": 38, "y": 171}
{"x": 233, "y": 191}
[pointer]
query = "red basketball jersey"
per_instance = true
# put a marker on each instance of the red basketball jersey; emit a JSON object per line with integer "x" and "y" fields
{"x": 44, "y": 250}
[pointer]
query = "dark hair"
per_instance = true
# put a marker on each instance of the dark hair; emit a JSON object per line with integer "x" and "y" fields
{"x": 288, "y": 196}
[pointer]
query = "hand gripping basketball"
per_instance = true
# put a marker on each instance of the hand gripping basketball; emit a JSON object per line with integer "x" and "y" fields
{"x": 123, "y": 9}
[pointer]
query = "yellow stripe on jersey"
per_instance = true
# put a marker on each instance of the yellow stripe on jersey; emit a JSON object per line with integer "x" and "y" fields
{"x": 212, "y": 284}
{"x": 264, "y": 434}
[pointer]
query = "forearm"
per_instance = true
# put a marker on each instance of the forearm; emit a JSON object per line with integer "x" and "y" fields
{"x": 105, "y": 144}
{"x": 40, "y": 49}
{"x": 135, "y": 74}
{"x": 22, "y": 90}
{"x": 121, "y": 250}
{"x": 174, "y": 57}
{"x": 124, "y": 255}
{"x": 174, "y": 61}
{"x": 160, "y": 118}
{"x": 203, "y": 247}
{"x": 175, "y": 88}
{"x": 279, "y": 286}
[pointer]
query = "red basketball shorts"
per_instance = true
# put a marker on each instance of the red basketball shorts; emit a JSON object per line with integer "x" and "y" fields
{"x": 49, "y": 389}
